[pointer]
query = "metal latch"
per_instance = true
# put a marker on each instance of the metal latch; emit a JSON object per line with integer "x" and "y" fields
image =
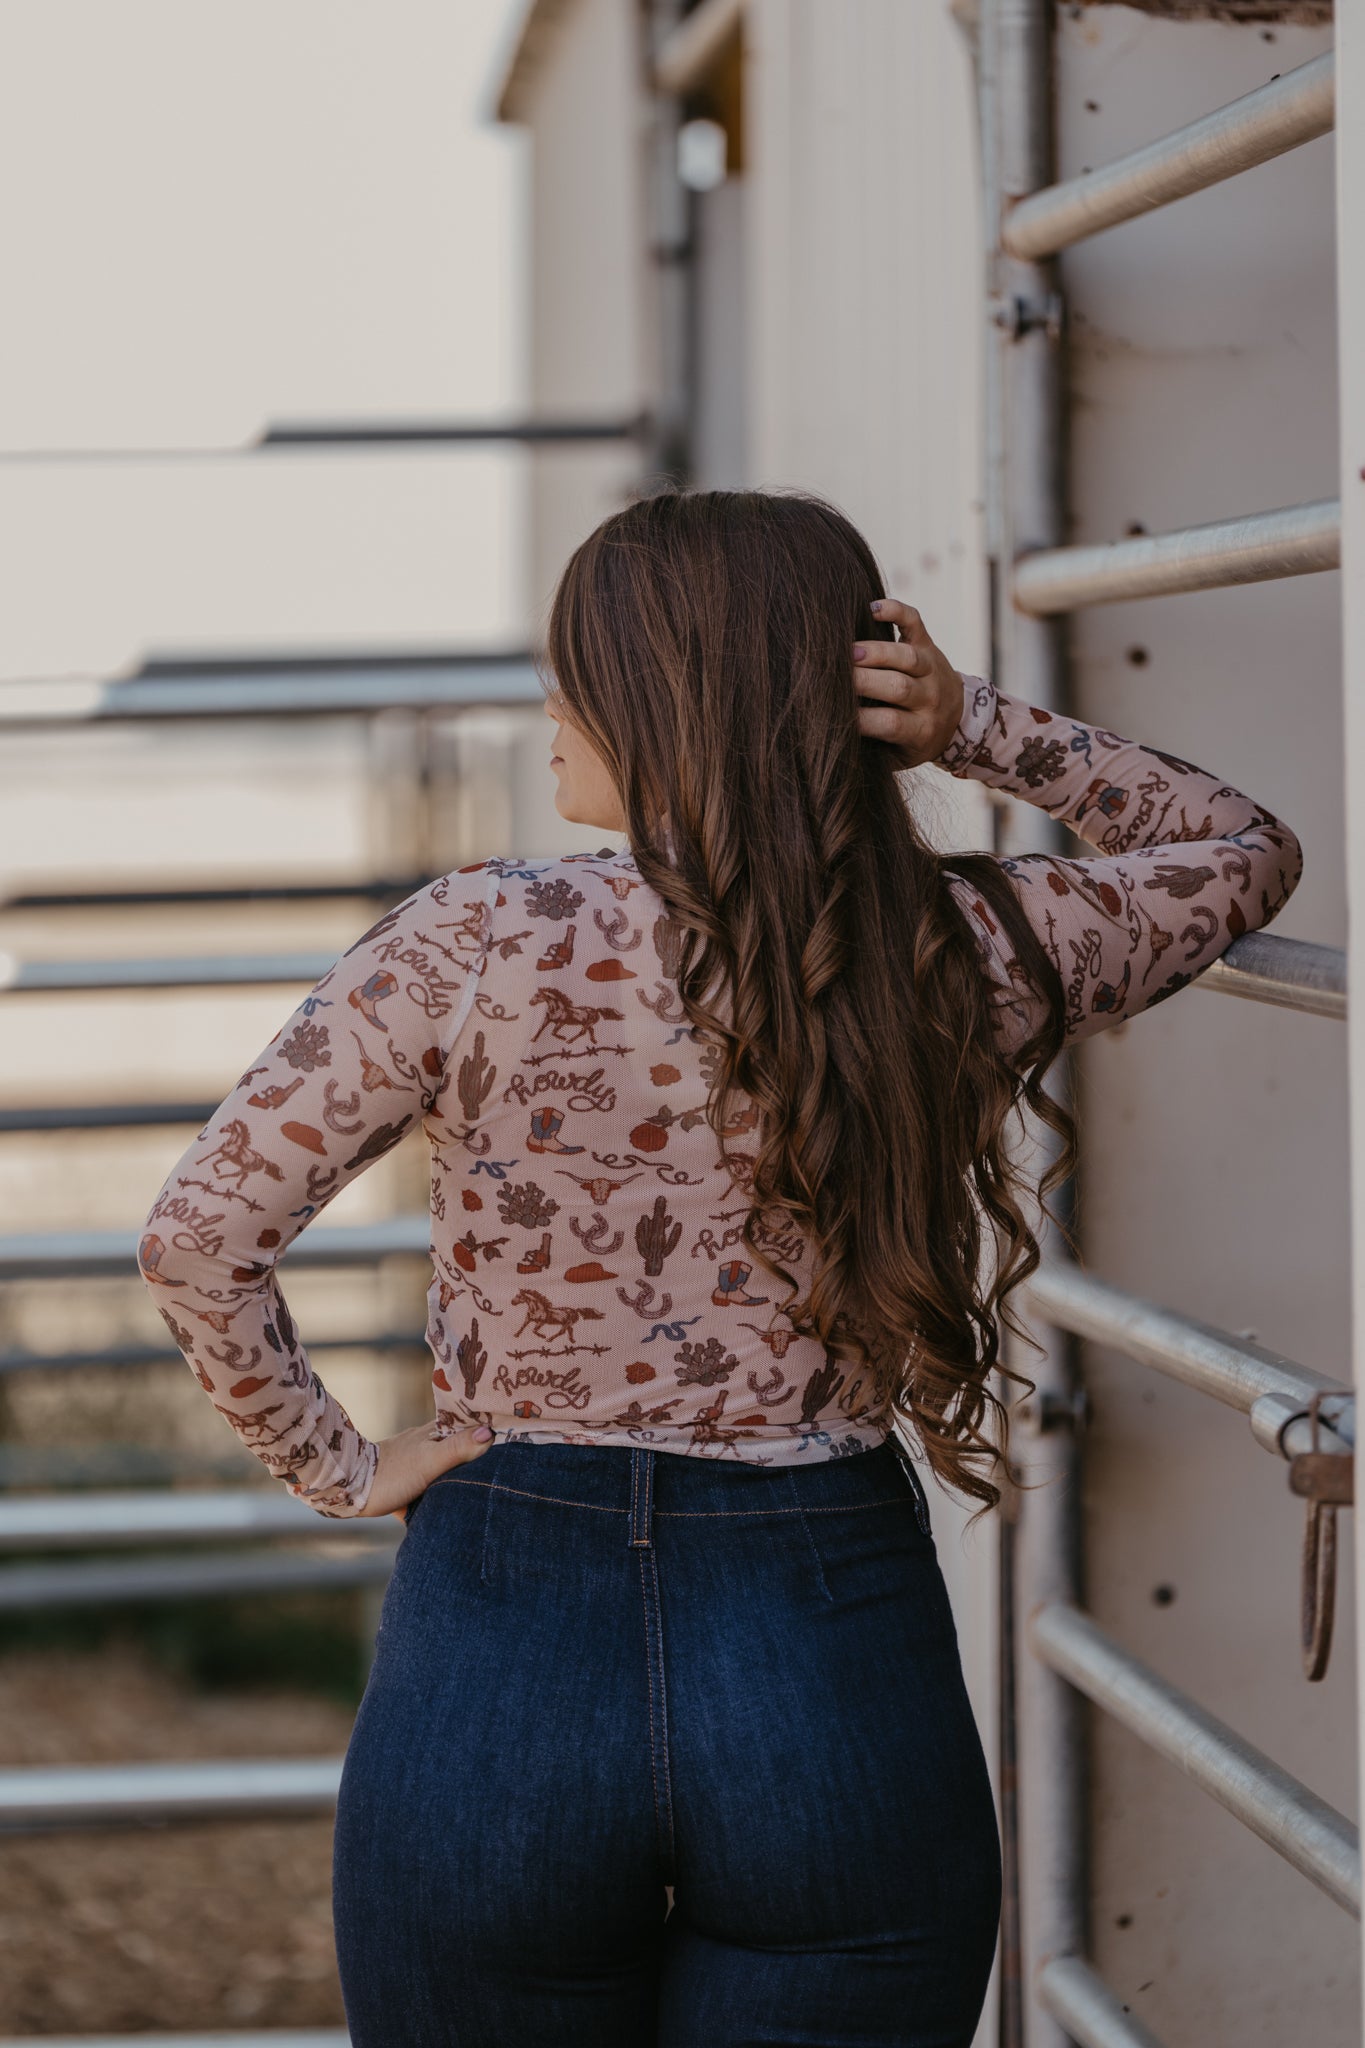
{"x": 1326, "y": 1480}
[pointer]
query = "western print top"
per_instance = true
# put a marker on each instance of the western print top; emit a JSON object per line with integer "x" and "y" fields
{"x": 588, "y": 1279}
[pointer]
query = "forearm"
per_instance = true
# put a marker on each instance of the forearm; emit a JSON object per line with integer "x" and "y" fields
{"x": 356, "y": 1068}
{"x": 1187, "y": 863}
{"x": 1114, "y": 793}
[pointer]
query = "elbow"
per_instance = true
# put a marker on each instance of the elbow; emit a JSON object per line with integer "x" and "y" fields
{"x": 1284, "y": 869}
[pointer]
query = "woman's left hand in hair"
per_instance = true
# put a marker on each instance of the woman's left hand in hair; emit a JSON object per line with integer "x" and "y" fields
{"x": 912, "y": 695}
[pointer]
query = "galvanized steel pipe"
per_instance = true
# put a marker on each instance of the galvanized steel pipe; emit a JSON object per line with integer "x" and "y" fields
{"x": 83, "y": 1795}
{"x": 1296, "y": 540}
{"x": 290, "y": 2037}
{"x": 1292, "y": 974}
{"x": 123, "y": 1515}
{"x": 265, "y": 693}
{"x": 1305, "y": 1830}
{"x": 1093, "y": 2015}
{"x": 1228, "y": 1368}
{"x": 59, "y": 1254}
{"x": 1263, "y": 124}
{"x": 39, "y": 1588}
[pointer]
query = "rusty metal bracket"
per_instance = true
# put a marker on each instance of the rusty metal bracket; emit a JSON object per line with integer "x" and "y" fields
{"x": 1326, "y": 1480}
{"x": 1017, "y": 317}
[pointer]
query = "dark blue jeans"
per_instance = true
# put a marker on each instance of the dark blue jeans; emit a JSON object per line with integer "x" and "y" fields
{"x": 602, "y": 1672}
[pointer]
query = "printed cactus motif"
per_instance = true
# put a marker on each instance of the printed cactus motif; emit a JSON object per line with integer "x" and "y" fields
{"x": 654, "y": 1237}
{"x": 472, "y": 1358}
{"x": 555, "y": 899}
{"x": 668, "y": 936}
{"x": 527, "y": 1204}
{"x": 702, "y": 1365}
{"x": 476, "y": 1079}
{"x": 820, "y": 1388}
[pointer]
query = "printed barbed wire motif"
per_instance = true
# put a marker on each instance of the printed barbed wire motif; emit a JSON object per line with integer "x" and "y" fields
{"x": 589, "y": 1277}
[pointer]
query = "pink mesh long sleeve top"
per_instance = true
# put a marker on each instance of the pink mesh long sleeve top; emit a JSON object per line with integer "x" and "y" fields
{"x": 588, "y": 1280}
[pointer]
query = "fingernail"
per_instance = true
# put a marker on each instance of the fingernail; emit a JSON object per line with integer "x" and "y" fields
{"x": 483, "y": 1434}
{"x": 875, "y": 605}
{"x": 858, "y": 653}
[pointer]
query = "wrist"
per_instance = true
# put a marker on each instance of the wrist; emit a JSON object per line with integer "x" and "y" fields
{"x": 973, "y": 725}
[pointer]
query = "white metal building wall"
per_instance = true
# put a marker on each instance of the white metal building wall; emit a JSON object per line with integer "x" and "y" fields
{"x": 1214, "y": 1174}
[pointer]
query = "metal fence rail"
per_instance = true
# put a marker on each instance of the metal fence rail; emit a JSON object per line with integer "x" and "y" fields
{"x": 1263, "y": 124}
{"x": 283, "y": 690}
{"x": 131, "y": 1515}
{"x": 1291, "y": 974}
{"x": 224, "y": 970}
{"x": 16, "y": 1359}
{"x": 1295, "y": 540}
{"x": 1305, "y": 1830}
{"x": 85, "y": 1795}
{"x": 91, "y": 1254}
{"x": 1273, "y": 1391}
{"x": 283, "y": 436}
{"x": 291, "y": 2037}
{"x": 39, "y": 1588}
{"x": 1093, "y": 2015}
{"x": 101, "y": 1116}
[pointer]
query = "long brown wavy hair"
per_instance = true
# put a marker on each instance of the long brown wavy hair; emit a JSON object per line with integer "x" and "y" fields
{"x": 702, "y": 643}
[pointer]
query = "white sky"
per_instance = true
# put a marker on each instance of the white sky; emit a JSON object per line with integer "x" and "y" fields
{"x": 214, "y": 215}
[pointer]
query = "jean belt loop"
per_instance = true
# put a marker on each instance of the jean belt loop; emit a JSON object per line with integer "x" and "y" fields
{"x": 641, "y": 1499}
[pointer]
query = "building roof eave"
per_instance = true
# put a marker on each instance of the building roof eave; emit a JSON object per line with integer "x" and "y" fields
{"x": 520, "y": 56}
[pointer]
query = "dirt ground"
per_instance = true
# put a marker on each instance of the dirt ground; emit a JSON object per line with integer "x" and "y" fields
{"x": 220, "y": 1924}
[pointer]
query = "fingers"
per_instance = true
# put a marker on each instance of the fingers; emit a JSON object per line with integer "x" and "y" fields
{"x": 897, "y": 686}
{"x": 894, "y": 663}
{"x": 464, "y": 1445}
{"x": 892, "y": 612}
{"x": 908, "y": 734}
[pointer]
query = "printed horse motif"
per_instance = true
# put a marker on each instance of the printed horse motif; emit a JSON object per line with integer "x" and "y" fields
{"x": 569, "y": 1021}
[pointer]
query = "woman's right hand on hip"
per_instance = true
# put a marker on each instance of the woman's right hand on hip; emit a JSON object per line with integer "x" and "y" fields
{"x": 409, "y": 1461}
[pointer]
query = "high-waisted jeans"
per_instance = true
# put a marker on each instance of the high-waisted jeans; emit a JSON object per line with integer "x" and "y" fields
{"x": 603, "y": 1675}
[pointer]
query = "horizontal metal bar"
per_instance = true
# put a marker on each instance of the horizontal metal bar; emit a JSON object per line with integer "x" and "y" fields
{"x": 226, "y": 970}
{"x": 1263, "y": 124}
{"x": 91, "y": 1254}
{"x": 16, "y": 1360}
{"x": 688, "y": 51}
{"x": 375, "y": 890}
{"x": 284, "y": 436}
{"x": 1093, "y": 2015}
{"x": 289, "y": 2037}
{"x": 38, "y": 1588}
{"x": 102, "y": 1116}
{"x": 130, "y": 1515}
{"x": 285, "y": 693}
{"x": 1311, "y": 1835}
{"x": 1294, "y": 541}
{"x": 1230, "y": 1369}
{"x": 281, "y": 434}
{"x": 82, "y": 1795}
{"x": 1292, "y": 974}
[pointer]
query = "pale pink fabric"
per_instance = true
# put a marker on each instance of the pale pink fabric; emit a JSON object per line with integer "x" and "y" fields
{"x": 588, "y": 1282}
